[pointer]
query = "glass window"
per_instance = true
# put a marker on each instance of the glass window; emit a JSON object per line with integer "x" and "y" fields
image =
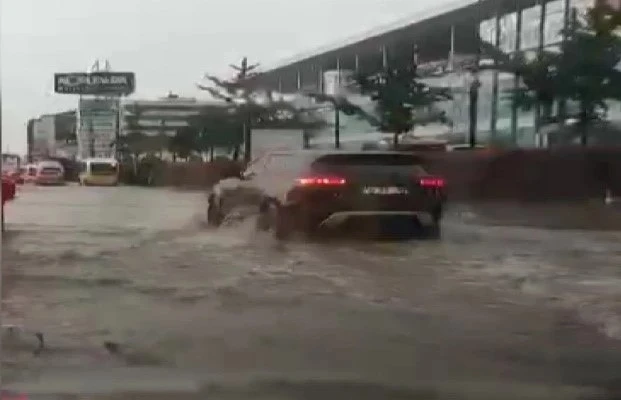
{"x": 484, "y": 105}
{"x": 487, "y": 30}
{"x": 508, "y": 29}
{"x": 284, "y": 162}
{"x": 614, "y": 110}
{"x": 530, "y": 28}
{"x": 555, "y": 21}
{"x": 556, "y": 6}
{"x": 98, "y": 168}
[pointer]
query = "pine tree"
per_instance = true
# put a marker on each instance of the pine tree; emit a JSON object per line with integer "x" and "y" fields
{"x": 255, "y": 107}
{"x": 538, "y": 76}
{"x": 402, "y": 100}
{"x": 589, "y": 65}
{"x": 586, "y": 71}
{"x": 340, "y": 104}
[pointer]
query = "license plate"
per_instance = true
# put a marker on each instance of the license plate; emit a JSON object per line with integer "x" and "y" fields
{"x": 384, "y": 190}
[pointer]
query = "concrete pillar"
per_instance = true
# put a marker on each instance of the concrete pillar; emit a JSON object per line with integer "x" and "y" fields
{"x": 494, "y": 113}
{"x": 357, "y": 63}
{"x": 516, "y": 80}
{"x": 540, "y": 45}
{"x": 384, "y": 57}
{"x": 338, "y": 76}
{"x": 451, "y": 57}
{"x": 299, "y": 80}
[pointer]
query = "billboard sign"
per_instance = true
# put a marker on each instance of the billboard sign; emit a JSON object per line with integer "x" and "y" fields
{"x": 95, "y": 83}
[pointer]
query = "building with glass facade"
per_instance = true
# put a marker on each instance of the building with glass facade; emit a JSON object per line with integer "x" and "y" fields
{"x": 446, "y": 46}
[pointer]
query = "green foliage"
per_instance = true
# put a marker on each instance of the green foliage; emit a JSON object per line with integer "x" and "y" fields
{"x": 184, "y": 143}
{"x": 402, "y": 100}
{"x": 250, "y": 106}
{"x": 587, "y": 65}
{"x": 586, "y": 70}
{"x": 538, "y": 76}
{"x": 342, "y": 104}
{"x": 131, "y": 144}
{"x": 218, "y": 129}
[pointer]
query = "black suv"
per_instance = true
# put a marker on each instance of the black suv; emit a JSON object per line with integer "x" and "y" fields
{"x": 309, "y": 190}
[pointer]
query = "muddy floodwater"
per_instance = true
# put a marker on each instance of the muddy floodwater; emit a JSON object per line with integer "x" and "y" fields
{"x": 229, "y": 312}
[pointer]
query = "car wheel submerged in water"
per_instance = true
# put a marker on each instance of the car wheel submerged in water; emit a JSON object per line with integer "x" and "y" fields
{"x": 284, "y": 221}
{"x": 274, "y": 217}
{"x": 433, "y": 231}
{"x": 263, "y": 218}
{"x": 214, "y": 212}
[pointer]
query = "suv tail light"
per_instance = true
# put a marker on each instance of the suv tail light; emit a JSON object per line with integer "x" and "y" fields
{"x": 321, "y": 181}
{"x": 431, "y": 182}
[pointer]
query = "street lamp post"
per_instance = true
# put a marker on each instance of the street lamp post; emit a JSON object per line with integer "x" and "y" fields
{"x": 473, "y": 94}
{"x": 91, "y": 138}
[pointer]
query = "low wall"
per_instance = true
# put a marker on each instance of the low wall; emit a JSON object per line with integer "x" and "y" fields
{"x": 529, "y": 175}
{"x": 519, "y": 175}
{"x": 195, "y": 175}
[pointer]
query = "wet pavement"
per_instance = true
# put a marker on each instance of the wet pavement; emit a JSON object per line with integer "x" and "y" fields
{"x": 231, "y": 313}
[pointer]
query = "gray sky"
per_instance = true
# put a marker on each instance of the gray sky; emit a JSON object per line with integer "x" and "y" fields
{"x": 168, "y": 44}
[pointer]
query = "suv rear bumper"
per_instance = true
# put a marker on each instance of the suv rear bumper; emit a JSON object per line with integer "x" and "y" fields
{"x": 340, "y": 217}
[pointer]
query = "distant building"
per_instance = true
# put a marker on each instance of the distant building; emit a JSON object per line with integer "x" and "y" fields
{"x": 445, "y": 43}
{"x": 97, "y": 127}
{"x": 43, "y": 137}
{"x": 162, "y": 116}
{"x": 52, "y": 135}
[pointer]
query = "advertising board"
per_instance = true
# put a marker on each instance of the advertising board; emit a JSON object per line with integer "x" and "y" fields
{"x": 95, "y": 83}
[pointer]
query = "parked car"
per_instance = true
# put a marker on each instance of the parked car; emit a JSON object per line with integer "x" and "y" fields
{"x": 47, "y": 172}
{"x": 9, "y": 190}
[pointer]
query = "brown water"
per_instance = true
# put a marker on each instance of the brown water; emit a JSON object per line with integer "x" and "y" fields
{"x": 233, "y": 308}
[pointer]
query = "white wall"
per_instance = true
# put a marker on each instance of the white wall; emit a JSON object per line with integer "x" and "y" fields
{"x": 44, "y": 136}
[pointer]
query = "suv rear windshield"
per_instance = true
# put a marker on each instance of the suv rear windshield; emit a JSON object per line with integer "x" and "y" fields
{"x": 369, "y": 159}
{"x": 98, "y": 168}
{"x": 50, "y": 170}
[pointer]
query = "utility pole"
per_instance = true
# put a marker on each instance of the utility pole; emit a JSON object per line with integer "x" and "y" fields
{"x": 473, "y": 92}
{"x": 91, "y": 138}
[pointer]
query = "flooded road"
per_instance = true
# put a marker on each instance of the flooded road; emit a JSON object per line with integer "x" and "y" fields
{"x": 488, "y": 303}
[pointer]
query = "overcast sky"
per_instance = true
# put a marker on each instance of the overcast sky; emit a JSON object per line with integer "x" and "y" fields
{"x": 169, "y": 44}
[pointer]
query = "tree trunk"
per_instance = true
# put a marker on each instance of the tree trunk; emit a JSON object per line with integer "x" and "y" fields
{"x": 236, "y": 152}
{"x": 538, "y": 124}
{"x": 584, "y": 135}
{"x": 583, "y": 125}
{"x": 395, "y": 141}
{"x": 247, "y": 141}
{"x": 473, "y": 114}
{"x": 337, "y": 128}
{"x": 211, "y": 153}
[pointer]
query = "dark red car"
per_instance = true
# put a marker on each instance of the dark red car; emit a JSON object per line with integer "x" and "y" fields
{"x": 10, "y": 395}
{"x": 9, "y": 189}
